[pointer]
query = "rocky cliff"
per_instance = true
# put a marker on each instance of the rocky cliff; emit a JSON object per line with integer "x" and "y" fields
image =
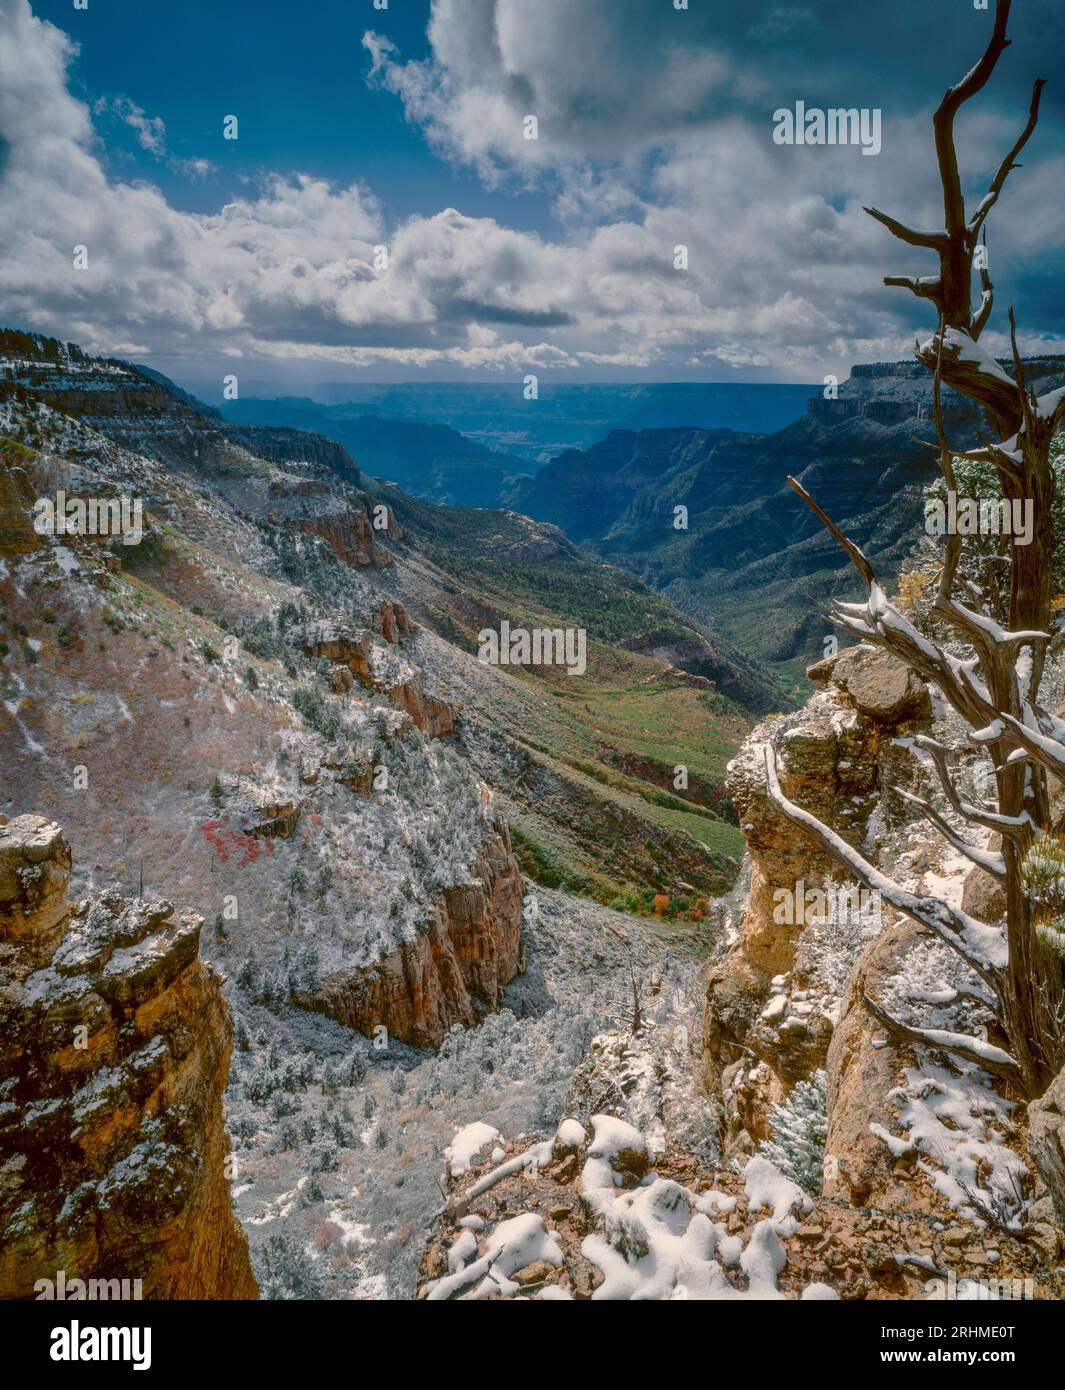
{"x": 355, "y": 660}
{"x": 769, "y": 1009}
{"x": 114, "y": 1050}
{"x": 452, "y": 972}
{"x": 925, "y": 1189}
{"x": 911, "y": 1134}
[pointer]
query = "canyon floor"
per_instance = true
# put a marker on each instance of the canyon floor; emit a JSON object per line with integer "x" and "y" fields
{"x": 485, "y": 976}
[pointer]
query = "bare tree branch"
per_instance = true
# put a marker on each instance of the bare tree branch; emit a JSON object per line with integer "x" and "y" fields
{"x": 987, "y": 294}
{"x": 982, "y": 947}
{"x": 990, "y": 198}
{"x": 986, "y": 859}
{"x": 923, "y": 286}
{"x": 1048, "y": 752}
{"x": 1010, "y": 827}
{"x": 992, "y": 1059}
{"x": 913, "y": 237}
{"x": 861, "y": 564}
{"x": 943, "y": 126}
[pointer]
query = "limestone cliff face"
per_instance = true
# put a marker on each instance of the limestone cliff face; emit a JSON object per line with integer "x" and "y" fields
{"x": 355, "y": 657}
{"x": 838, "y": 761}
{"x": 114, "y": 1051}
{"x": 351, "y": 536}
{"x": 453, "y": 972}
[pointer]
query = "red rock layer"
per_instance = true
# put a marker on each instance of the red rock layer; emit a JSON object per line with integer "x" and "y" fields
{"x": 451, "y": 973}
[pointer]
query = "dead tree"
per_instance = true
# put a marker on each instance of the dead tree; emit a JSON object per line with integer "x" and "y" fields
{"x": 637, "y": 1015}
{"x": 996, "y": 689}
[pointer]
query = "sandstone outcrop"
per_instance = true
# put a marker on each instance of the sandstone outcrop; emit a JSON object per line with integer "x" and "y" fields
{"x": 392, "y": 621}
{"x": 452, "y": 972}
{"x": 1046, "y": 1142}
{"x": 114, "y": 1051}
{"x": 355, "y": 657}
{"x": 352, "y": 538}
{"x": 838, "y": 760}
{"x": 343, "y": 646}
{"x": 435, "y": 717}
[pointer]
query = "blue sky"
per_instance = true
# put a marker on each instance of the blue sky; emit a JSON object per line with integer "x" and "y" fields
{"x": 402, "y": 128}
{"x": 300, "y": 90}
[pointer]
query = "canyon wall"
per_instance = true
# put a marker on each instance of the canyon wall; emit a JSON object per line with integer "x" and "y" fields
{"x": 769, "y": 1012}
{"x": 114, "y": 1052}
{"x": 452, "y": 972}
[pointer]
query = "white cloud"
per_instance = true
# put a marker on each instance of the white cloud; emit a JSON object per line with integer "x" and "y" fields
{"x": 604, "y": 80}
{"x": 783, "y": 267}
{"x": 150, "y": 130}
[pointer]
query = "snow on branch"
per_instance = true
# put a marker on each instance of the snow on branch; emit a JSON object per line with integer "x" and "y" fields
{"x": 1046, "y": 751}
{"x": 992, "y": 1059}
{"x": 988, "y": 860}
{"x": 981, "y": 946}
{"x": 1012, "y": 827}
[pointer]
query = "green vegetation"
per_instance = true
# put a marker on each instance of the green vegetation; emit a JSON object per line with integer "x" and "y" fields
{"x": 147, "y": 557}
{"x": 14, "y": 452}
{"x": 542, "y": 866}
{"x": 641, "y": 749}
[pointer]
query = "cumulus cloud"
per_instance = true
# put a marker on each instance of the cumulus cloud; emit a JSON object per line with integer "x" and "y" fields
{"x": 603, "y": 80}
{"x": 780, "y": 271}
{"x": 157, "y": 278}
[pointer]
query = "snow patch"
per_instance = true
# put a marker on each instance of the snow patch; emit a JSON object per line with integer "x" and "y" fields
{"x": 469, "y": 1145}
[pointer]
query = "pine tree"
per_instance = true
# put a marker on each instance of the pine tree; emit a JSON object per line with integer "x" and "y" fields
{"x": 800, "y": 1128}
{"x": 285, "y": 1270}
{"x": 356, "y": 1069}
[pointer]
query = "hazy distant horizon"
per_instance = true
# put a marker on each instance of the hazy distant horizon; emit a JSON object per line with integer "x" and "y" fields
{"x": 275, "y": 390}
{"x": 496, "y": 414}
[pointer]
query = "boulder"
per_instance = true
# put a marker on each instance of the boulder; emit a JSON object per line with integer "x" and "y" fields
{"x": 34, "y": 872}
{"x": 882, "y": 687}
{"x": 982, "y": 896}
{"x": 1046, "y": 1141}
